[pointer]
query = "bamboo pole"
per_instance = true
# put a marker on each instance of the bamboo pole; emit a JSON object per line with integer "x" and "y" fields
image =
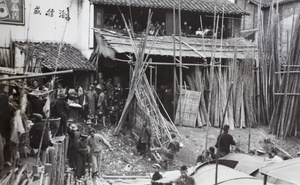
{"x": 174, "y": 59}
{"x": 180, "y": 62}
{"x": 211, "y": 77}
{"x": 189, "y": 46}
{"x": 221, "y": 128}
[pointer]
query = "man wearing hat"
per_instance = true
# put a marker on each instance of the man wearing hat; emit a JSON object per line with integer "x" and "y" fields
{"x": 184, "y": 179}
{"x": 82, "y": 154}
{"x": 61, "y": 109}
{"x": 36, "y": 104}
{"x": 95, "y": 142}
{"x": 73, "y": 96}
{"x": 93, "y": 97}
{"x": 170, "y": 152}
{"x": 79, "y": 91}
{"x": 74, "y": 135}
{"x": 224, "y": 141}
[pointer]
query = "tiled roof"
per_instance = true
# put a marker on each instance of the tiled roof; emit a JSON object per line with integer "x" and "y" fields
{"x": 267, "y": 3}
{"x": 163, "y": 46}
{"x": 201, "y": 6}
{"x": 70, "y": 57}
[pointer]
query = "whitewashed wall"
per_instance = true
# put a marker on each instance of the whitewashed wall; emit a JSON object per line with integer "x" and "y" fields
{"x": 41, "y": 26}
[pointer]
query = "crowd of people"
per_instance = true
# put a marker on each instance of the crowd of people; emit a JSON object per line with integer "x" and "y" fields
{"x": 101, "y": 103}
{"x": 112, "y": 22}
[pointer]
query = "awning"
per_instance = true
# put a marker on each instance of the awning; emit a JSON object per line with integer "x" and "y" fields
{"x": 163, "y": 46}
{"x": 201, "y": 6}
{"x": 246, "y": 163}
{"x": 287, "y": 170}
{"x": 226, "y": 176}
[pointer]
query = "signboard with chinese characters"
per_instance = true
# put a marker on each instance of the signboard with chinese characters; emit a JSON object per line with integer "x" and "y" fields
{"x": 12, "y": 12}
{"x": 51, "y": 12}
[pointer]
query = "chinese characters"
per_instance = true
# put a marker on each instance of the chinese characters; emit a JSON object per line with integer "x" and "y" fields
{"x": 64, "y": 14}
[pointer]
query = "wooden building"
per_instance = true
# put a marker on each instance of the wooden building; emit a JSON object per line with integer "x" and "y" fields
{"x": 174, "y": 60}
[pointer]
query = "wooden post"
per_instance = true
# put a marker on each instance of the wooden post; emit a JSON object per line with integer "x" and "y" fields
{"x": 155, "y": 81}
{"x": 35, "y": 172}
{"x": 66, "y": 144}
{"x": 59, "y": 159}
{"x": 63, "y": 163}
{"x": 48, "y": 171}
{"x": 53, "y": 160}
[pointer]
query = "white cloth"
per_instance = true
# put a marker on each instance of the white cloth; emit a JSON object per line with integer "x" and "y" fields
{"x": 17, "y": 127}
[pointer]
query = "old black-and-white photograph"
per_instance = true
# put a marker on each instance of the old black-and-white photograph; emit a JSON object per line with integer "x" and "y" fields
{"x": 149, "y": 92}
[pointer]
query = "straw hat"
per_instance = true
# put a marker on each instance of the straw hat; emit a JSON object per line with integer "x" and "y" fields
{"x": 83, "y": 135}
{"x": 73, "y": 127}
{"x": 156, "y": 166}
{"x": 72, "y": 92}
{"x": 61, "y": 95}
{"x": 37, "y": 115}
{"x": 88, "y": 122}
{"x": 260, "y": 151}
{"x": 98, "y": 87}
{"x": 92, "y": 131}
{"x": 70, "y": 120}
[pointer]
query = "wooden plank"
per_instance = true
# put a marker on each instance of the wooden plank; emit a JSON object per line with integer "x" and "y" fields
{"x": 189, "y": 109}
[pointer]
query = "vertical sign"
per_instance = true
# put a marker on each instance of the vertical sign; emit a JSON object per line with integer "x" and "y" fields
{"x": 12, "y": 12}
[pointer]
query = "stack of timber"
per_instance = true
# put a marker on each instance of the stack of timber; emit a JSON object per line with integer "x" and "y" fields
{"x": 285, "y": 118}
{"x": 57, "y": 161}
{"x": 141, "y": 98}
{"x": 17, "y": 176}
{"x": 240, "y": 112}
{"x": 268, "y": 63}
{"x": 52, "y": 173}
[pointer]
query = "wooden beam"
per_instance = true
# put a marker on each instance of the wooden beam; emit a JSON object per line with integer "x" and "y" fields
{"x": 37, "y": 75}
{"x": 225, "y": 17}
{"x": 291, "y": 65}
{"x": 291, "y": 72}
{"x": 170, "y": 64}
{"x": 288, "y": 94}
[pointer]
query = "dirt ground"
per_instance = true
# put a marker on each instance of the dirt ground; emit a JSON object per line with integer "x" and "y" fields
{"x": 123, "y": 159}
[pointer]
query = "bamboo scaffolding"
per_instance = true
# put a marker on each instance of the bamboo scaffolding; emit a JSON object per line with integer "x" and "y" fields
{"x": 141, "y": 95}
{"x": 284, "y": 120}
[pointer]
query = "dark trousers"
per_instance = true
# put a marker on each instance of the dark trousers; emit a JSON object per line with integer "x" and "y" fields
{"x": 72, "y": 155}
{"x": 63, "y": 125}
{"x": 143, "y": 148}
{"x": 81, "y": 160}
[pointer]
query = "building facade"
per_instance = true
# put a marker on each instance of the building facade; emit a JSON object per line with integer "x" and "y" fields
{"x": 287, "y": 10}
